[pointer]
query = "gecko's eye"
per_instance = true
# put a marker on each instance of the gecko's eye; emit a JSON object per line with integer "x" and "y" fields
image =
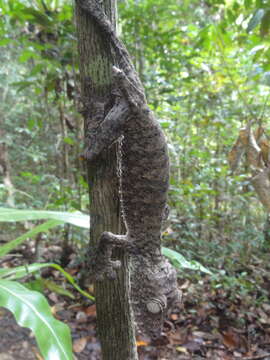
{"x": 157, "y": 305}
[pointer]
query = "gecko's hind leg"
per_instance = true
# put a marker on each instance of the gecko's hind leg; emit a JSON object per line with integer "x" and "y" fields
{"x": 103, "y": 266}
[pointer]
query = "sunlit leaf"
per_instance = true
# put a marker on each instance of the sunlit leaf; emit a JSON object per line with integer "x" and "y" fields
{"x": 11, "y": 245}
{"x": 75, "y": 218}
{"x": 32, "y": 310}
{"x": 180, "y": 262}
{"x": 19, "y": 272}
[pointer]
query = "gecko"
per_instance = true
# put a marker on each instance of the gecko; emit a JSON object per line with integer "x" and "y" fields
{"x": 144, "y": 182}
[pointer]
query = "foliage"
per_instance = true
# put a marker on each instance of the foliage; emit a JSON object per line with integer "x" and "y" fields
{"x": 31, "y": 310}
{"x": 29, "y": 307}
{"x": 180, "y": 262}
{"x": 75, "y": 218}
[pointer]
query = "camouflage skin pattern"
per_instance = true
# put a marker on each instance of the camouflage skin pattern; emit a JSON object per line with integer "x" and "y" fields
{"x": 144, "y": 182}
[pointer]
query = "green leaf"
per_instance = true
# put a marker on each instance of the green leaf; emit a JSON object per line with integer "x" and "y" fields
{"x": 247, "y": 4}
{"x": 31, "y": 123}
{"x": 37, "y": 69}
{"x": 52, "y": 286}
{"x": 4, "y": 42}
{"x": 69, "y": 140}
{"x": 76, "y": 218}
{"x": 28, "y": 54}
{"x": 180, "y": 262}
{"x": 255, "y": 20}
{"x": 36, "y": 285}
{"x": 265, "y": 23}
{"x": 72, "y": 281}
{"x": 32, "y": 310}
{"x": 38, "y": 16}
{"x": 5, "y": 249}
{"x": 22, "y": 84}
{"x": 22, "y": 271}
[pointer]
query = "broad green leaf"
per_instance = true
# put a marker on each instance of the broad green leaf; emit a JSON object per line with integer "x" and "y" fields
{"x": 76, "y": 218}
{"x": 32, "y": 310}
{"x": 255, "y": 20}
{"x": 5, "y": 249}
{"x": 22, "y": 271}
{"x": 180, "y": 262}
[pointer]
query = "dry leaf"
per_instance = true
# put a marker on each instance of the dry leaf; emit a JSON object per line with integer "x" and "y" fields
{"x": 174, "y": 317}
{"x": 79, "y": 344}
{"x": 258, "y": 133}
{"x": 141, "y": 343}
{"x": 265, "y": 150}
{"x": 253, "y": 152}
{"x": 182, "y": 349}
{"x": 37, "y": 354}
{"x": 230, "y": 339}
{"x": 81, "y": 317}
{"x": 91, "y": 310}
{"x": 57, "y": 307}
{"x": 142, "y": 340}
{"x": 235, "y": 154}
{"x": 261, "y": 185}
{"x": 244, "y": 136}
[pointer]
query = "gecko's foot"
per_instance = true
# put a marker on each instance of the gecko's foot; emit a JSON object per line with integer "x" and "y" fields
{"x": 108, "y": 270}
{"x": 104, "y": 268}
{"x": 102, "y": 265}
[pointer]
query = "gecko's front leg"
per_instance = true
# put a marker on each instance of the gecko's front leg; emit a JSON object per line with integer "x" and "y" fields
{"x": 102, "y": 266}
{"x": 98, "y": 139}
{"x": 108, "y": 131}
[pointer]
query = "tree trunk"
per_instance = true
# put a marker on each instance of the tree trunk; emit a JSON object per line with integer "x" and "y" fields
{"x": 5, "y": 169}
{"x": 114, "y": 315}
{"x": 266, "y": 232}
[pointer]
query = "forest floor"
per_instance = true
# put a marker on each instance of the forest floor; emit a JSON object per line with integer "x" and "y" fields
{"x": 211, "y": 323}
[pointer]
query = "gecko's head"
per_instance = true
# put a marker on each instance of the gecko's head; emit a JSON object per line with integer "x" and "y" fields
{"x": 154, "y": 291}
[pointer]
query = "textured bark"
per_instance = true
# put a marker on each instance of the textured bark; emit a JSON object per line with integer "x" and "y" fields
{"x": 144, "y": 181}
{"x": 114, "y": 314}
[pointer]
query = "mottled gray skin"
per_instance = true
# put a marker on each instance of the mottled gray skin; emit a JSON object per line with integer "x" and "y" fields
{"x": 144, "y": 182}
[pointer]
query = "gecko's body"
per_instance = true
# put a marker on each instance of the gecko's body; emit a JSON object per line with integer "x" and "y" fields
{"x": 144, "y": 181}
